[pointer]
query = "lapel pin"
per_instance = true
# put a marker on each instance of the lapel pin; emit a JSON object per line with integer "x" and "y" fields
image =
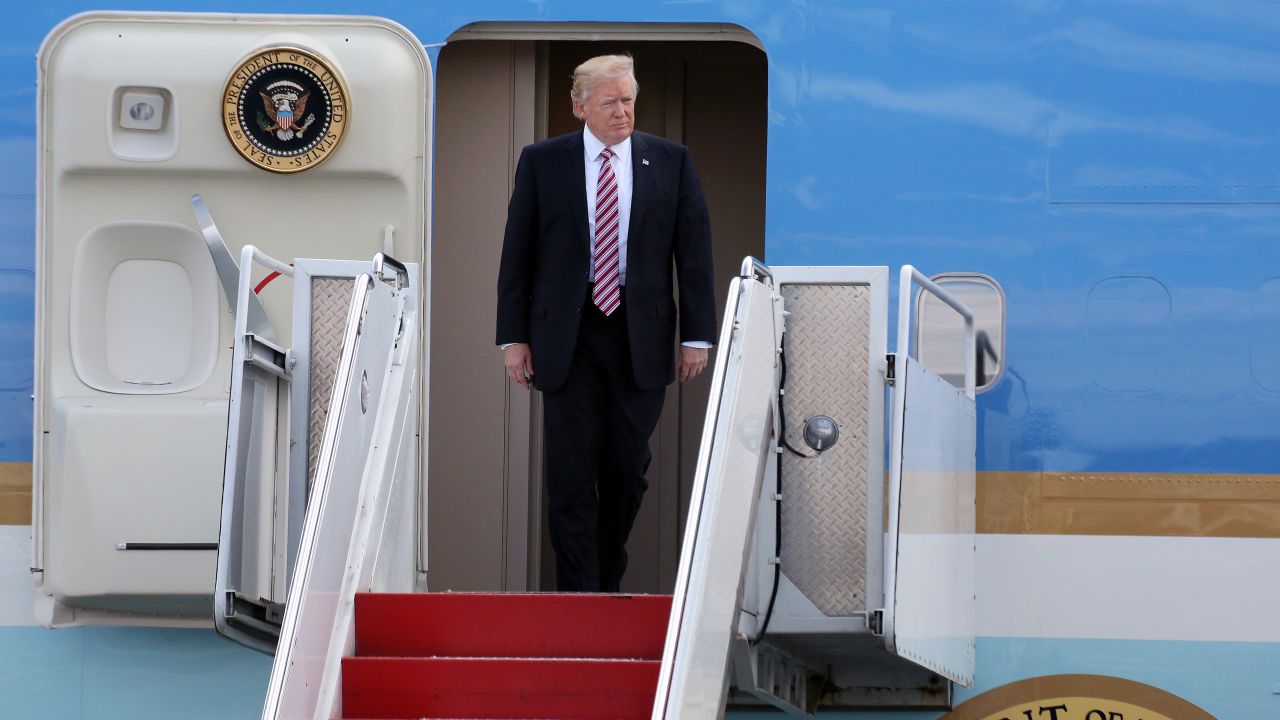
{"x": 644, "y": 161}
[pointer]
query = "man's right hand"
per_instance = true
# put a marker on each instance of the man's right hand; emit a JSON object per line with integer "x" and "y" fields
{"x": 519, "y": 362}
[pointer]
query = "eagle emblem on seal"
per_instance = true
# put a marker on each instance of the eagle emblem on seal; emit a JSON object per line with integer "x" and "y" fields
{"x": 284, "y": 102}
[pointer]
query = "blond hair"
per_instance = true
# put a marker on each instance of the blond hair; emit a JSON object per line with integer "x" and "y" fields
{"x": 601, "y": 67}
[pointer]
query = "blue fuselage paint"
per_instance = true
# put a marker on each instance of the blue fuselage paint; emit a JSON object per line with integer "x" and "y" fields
{"x": 1053, "y": 146}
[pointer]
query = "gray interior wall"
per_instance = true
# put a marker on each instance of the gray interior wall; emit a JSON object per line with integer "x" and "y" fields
{"x": 484, "y": 109}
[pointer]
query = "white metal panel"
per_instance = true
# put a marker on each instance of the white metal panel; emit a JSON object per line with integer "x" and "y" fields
{"x": 932, "y": 622}
{"x": 734, "y": 453}
{"x": 367, "y": 460}
{"x": 108, "y": 487}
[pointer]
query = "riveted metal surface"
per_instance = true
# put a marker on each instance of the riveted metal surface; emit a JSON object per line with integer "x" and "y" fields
{"x": 330, "y": 301}
{"x": 824, "y": 506}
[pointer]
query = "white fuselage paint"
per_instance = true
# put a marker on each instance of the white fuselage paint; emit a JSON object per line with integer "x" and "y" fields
{"x": 1053, "y": 586}
{"x": 16, "y": 594}
{"x": 1129, "y": 588}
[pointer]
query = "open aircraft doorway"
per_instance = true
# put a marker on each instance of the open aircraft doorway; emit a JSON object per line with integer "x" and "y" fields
{"x": 500, "y": 87}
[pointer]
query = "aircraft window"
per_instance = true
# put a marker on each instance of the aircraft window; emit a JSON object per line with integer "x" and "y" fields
{"x": 940, "y": 331}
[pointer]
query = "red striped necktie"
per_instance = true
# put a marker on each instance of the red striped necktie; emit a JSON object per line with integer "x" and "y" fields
{"x": 607, "y": 294}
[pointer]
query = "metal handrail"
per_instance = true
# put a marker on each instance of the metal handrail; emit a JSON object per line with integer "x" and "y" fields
{"x": 246, "y": 295}
{"x": 719, "y": 522}
{"x": 696, "y": 497}
{"x": 751, "y": 267}
{"x": 382, "y": 260}
{"x": 909, "y": 276}
{"x": 251, "y": 254}
{"x": 365, "y": 476}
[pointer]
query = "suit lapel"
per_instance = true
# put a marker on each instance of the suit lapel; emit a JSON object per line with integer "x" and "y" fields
{"x": 575, "y": 173}
{"x": 641, "y": 189}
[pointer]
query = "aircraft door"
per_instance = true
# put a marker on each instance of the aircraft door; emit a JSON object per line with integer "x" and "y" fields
{"x": 282, "y": 124}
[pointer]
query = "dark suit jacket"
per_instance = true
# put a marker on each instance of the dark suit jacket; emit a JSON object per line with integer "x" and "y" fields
{"x": 546, "y": 257}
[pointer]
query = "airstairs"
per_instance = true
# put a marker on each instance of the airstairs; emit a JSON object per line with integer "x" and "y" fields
{"x": 810, "y": 574}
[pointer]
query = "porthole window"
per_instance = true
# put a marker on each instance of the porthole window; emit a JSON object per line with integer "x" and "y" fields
{"x": 940, "y": 330}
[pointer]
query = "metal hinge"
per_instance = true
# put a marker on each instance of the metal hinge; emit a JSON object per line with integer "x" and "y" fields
{"x": 275, "y": 612}
{"x": 875, "y": 620}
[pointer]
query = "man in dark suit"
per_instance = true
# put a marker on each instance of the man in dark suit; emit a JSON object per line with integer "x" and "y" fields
{"x": 596, "y": 219}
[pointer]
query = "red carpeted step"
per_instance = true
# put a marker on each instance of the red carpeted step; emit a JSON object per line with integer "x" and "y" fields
{"x": 512, "y": 625}
{"x": 379, "y": 687}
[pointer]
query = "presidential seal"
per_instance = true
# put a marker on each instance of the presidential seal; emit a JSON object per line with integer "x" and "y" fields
{"x": 1077, "y": 697}
{"x": 285, "y": 109}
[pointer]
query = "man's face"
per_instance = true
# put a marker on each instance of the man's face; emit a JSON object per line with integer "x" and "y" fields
{"x": 609, "y": 110}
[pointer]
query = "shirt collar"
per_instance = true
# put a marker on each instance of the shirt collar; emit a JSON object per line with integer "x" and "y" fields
{"x": 592, "y": 146}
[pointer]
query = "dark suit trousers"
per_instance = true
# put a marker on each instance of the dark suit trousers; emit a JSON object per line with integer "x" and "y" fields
{"x": 597, "y": 429}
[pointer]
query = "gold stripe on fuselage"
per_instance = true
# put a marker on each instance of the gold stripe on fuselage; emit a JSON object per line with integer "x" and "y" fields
{"x": 15, "y": 493}
{"x": 1113, "y": 503}
{"x": 1204, "y": 505}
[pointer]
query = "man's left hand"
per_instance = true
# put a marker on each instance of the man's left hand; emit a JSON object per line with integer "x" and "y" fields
{"x": 692, "y": 361}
